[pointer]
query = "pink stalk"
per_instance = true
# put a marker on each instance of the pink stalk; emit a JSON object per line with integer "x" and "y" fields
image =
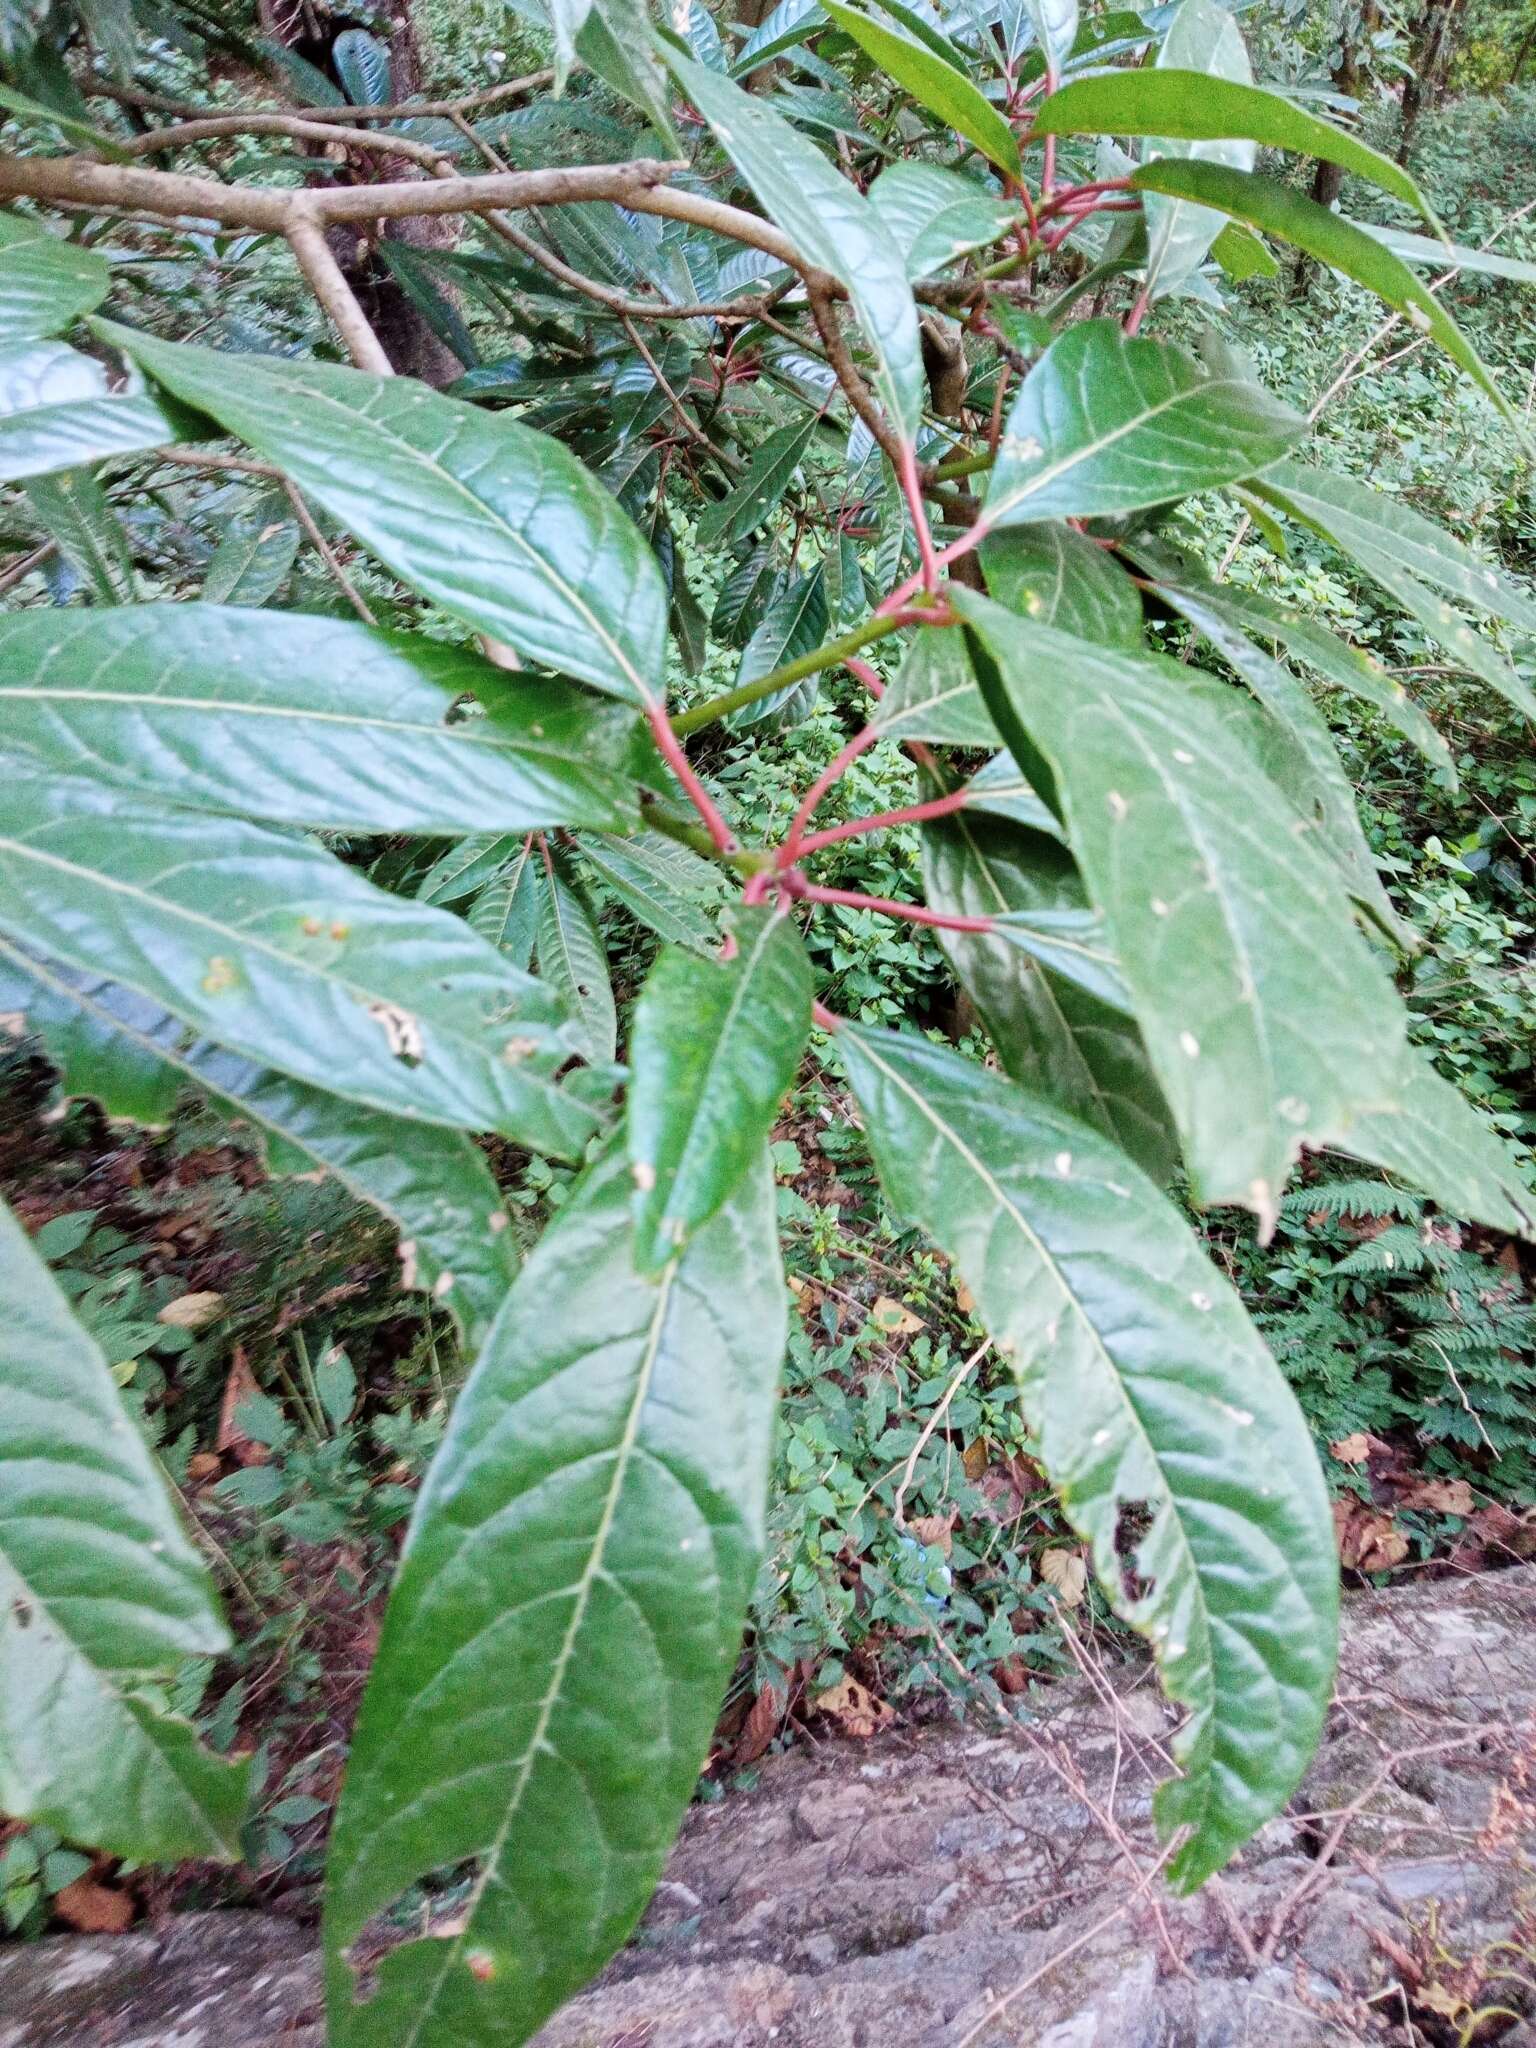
{"x": 835, "y": 769}
{"x": 909, "y": 814}
{"x": 912, "y": 489}
{"x": 677, "y": 760}
{"x": 914, "y": 913}
{"x": 863, "y": 673}
{"x": 898, "y": 599}
{"x": 827, "y": 1019}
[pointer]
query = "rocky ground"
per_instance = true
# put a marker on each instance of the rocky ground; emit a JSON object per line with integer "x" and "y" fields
{"x": 979, "y": 1887}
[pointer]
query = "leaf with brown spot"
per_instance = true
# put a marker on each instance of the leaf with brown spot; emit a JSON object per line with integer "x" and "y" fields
{"x": 854, "y": 1708}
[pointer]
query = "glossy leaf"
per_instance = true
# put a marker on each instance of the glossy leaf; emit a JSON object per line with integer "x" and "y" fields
{"x": 1060, "y": 577}
{"x": 1000, "y": 790}
{"x": 934, "y": 215}
{"x": 273, "y": 947}
{"x": 305, "y": 721}
{"x": 72, "y": 509}
{"x": 713, "y": 1048}
{"x": 574, "y": 961}
{"x": 615, "y": 41}
{"x": 1192, "y": 106}
{"x": 794, "y": 624}
{"x": 934, "y": 695}
{"x": 361, "y": 62}
{"x": 940, "y": 86}
{"x": 1428, "y": 252}
{"x": 569, "y": 1605}
{"x": 101, "y": 1595}
{"x": 1275, "y": 209}
{"x": 1203, "y": 41}
{"x": 497, "y": 523}
{"x": 1083, "y": 1053}
{"x": 1242, "y": 254}
{"x": 1177, "y": 1449}
{"x": 757, "y": 494}
{"x": 829, "y": 221}
{"x": 743, "y": 595}
{"x": 1056, "y": 24}
{"x": 135, "y": 1058}
{"x": 1437, "y": 1141}
{"x": 1108, "y": 424}
{"x": 57, "y": 413}
{"x": 1268, "y": 1021}
{"x": 46, "y": 283}
{"x": 670, "y": 890}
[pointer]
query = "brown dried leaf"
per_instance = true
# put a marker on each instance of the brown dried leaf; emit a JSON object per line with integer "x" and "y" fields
{"x": 889, "y": 1317}
{"x": 239, "y": 1387}
{"x": 760, "y": 1726}
{"x": 1368, "y": 1541}
{"x": 854, "y": 1708}
{"x": 1066, "y": 1573}
{"x": 1353, "y": 1450}
{"x": 192, "y": 1311}
{"x": 934, "y": 1530}
{"x": 1442, "y": 1496}
{"x": 94, "y": 1908}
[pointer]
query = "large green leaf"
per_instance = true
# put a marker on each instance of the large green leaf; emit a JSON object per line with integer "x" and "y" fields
{"x": 713, "y": 1047}
{"x": 45, "y": 283}
{"x": 57, "y": 412}
{"x": 574, "y": 961}
{"x": 757, "y": 493}
{"x": 934, "y": 696}
{"x": 306, "y": 721}
{"x": 1178, "y": 1450}
{"x": 934, "y": 215}
{"x": 1268, "y": 1020}
{"x": 1203, "y": 41}
{"x": 1052, "y": 1035}
{"x": 101, "y": 1596}
{"x": 615, "y": 41}
{"x": 795, "y": 623}
{"x": 831, "y": 224}
{"x": 135, "y": 1058}
{"x": 569, "y": 1604}
{"x": 497, "y": 523}
{"x": 934, "y": 82}
{"x": 1276, "y": 210}
{"x": 1052, "y": 573}
{"x": 1109, "y": 423}
{"x": 272, "y": 946}
{"x": 1193, "y": 106}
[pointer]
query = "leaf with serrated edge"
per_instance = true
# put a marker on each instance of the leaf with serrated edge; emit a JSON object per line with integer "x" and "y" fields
{"x": 134, "y": 1058}
{"x": 1178, "y": 1450}
{"x": 1107, "y": 423}
{"x": 1268, "y": 1020}
{"x": 274, "y": 947}
{"x": 495, "y": 522}
{"x": 670, "y": 890}
{"x": 573, "y": 960}
{"x": 569, "y": 1605}
{"x": 101, "y": 1593}
{"x": 712, "y": 1050}
{"x": 305, "y": 721}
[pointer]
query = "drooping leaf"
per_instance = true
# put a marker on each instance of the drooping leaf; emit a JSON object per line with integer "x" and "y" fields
{"x": 672, "y": 891}
{"x": 757, "y": 493}
{"x": 1106, "y": 423}
{"x": 934, "y": 82}
{"x": 305, "y": 721}
{"x": 713, "y": 1048}
{"x": 101, "y": 1595}
{"x": 574, "y": 961}
{"x": 362, "y": 64}
{"x": 1084, "y": 1054}
{"x": 135, "y": 1058}
{"x": 615, "y": 41}
{"x": 72, "y": 508}
{"x": 1054, "y": 574}
{"x": 1268, "y": 1020}
{"x": 1193, "y": 106}
{"x": 568, "y": 1607}
{"x": 935, "y": 215}
{"x": 1427, "y": 252}
{"x": 743, "y": 596}
{"x": 255, "y": 552}
{"x": 1177, "y": 1449}
{"x": 57, "y": 413}
{"x": 794, "y": 624}
{"x": 1204, "y": 41}
{"x": 497, "y": 523}
{"x": 934, "y": 695}
{"x": 1274, "y": 209}
{"x": 829, "y": 221}
{"x": 275, "y": 948}
{"x": 784, "y": 27}
{"x": 46, "y": 283}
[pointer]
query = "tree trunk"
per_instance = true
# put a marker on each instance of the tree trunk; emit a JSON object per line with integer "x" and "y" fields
{"x": 1434, "y": 46}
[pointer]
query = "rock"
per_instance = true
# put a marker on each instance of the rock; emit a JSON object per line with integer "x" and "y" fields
{"x": 956, "y": 1887}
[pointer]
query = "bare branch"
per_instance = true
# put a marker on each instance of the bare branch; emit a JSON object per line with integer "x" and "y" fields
{"x": 306, "y": 238}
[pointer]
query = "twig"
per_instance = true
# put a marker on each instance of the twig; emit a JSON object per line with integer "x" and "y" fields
{"x": 313, "y": 254}
{"x": 957, "y": 1381}
{"x": 327, "y": 553}
{"x": 20, "y": 570}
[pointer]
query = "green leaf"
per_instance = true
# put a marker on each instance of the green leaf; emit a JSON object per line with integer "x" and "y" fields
{"x": 1084, "y": 1054}
{"x": 46, "y": 283}
{"x": 1055, "y": 23}
{"x": 794, "y": 624}
{"x": 1268, "y": 1021}
{"x": 255, "y": 552}
{"x": 615, "y": 42}
{"x": 568, "y": 1608}
{"x": 670, "y": 890}
{"x": 1000, "y": 790}
{"x": 467, "y": 866}
{"x": 506, "y": 910}
{"x": 72, "y": 508}
{"x": 934, "y": 695}
{"x": 573, "y": 960}
{"x": 1202, "y": 41}
{"x": 1060, "y": 577}
{"x": 743, "y": 596}
{"x": 1107, "y": 424}
{"x": 277, "y": 949}
{"x": 101, "y": 1594}
{"x": 934, "y": 82}
{"x": 361, "y": 62}
{"x": 1427, "y": 252}
{"x": 1242, "y": 254}
{"x": 56, "y": 412}
{"x": 831, "y": 224}
{"x": 1191, "y": 106}
{"x": 497, "y": 523}
{"x": 934, "y": 215}
{"x": 713, "y": 1048}
{"x": 786, "y": 26}
{"x": 767, "y": 477}
{"x": 1177, "y": 1449}
{"x": 1382, "y": 545}
{"x": 1276, "y": 210}
{"x": 134, "y": 1058}
{"x": 1436, "y": 1140}
{"x": 305, "y": 721}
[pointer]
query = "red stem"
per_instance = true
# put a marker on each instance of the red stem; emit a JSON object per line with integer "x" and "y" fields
{"x": 677, "y": 760}
{"x": 908, "y": 814}
{"x": 827, "y": 1019}
{"x": 912, "y": 489}
{"x": 863, "y": 673}
{"x": 835, "y": 769}
{"x": 914, "y": 913}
